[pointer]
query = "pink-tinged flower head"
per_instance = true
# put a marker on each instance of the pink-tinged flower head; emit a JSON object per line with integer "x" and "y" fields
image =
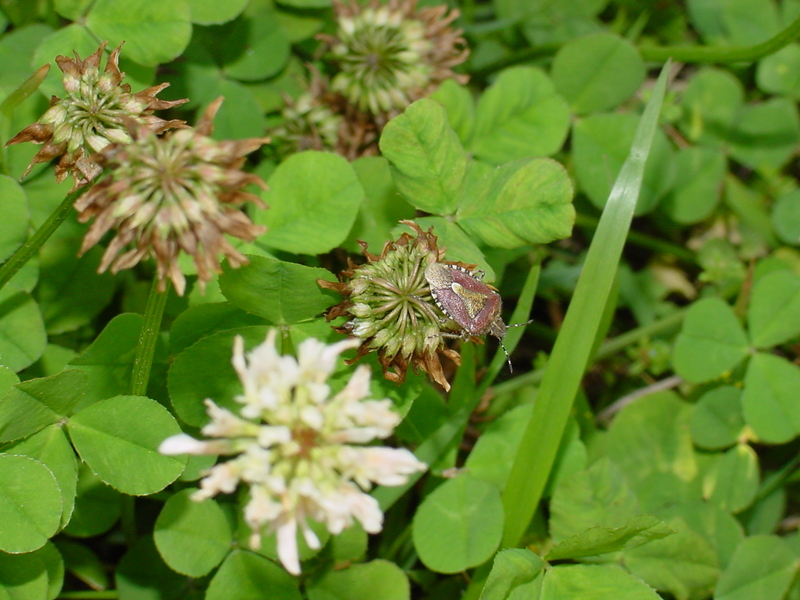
{"x": 92, "y": 115}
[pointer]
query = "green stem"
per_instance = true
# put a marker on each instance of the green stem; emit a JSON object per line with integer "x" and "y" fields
{"x": 147, "y": 339}
{"x": 719, "y": 54}
{"x": 606, "y": 349}
{"x": 31, "y": 247}
{"x": 127, "y": 519}
{"x": 684, "y": 53}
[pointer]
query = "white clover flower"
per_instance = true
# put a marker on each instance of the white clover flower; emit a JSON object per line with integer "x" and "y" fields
{"x": 295, "y": 446}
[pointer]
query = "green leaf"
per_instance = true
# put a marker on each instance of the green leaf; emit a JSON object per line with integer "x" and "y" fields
{"x": 576, "y": 339}
{"x": 600, "y": 146}
{"x": 51, "y": 447}
{"x": 33, "y": 405}
{"x": 23, "y": 576}
{"x": 84, "y": 564}
{"x": 734, "y": 22}
{"x": 770, "y": 398}
{"x": 119, "y": 438}
{"x": 192, "y": 537}
{"x": 650, "y": 437}
{"x": 142, "y": 574}
{"x": 732, "y": 480}
{"x": 699, "y": 187}
{"x": 597, "y": 72}
{"x": 30, "y": 504}
{"x": 593, "y": 582}
{"x": 204, "y": 371}
{"x": 71, "y": 292}
{"x": 711, "y": 104}
{"x": 212, "y": 12}
{"x": 458, "y": 525}
{"x": 597, "y": 496}
{"x": 14, "y": 225}
{"x": 54, "y": 566}
{"x": 519, "y": 116}
{"x": 766, "y": 134}
{"x": 368, "y": 581}
{"x": 711, "y": 342}
{"x": 721, "y": 529}
{"x": 761, "y": 569}
{"x": 382, "y": 207}
{"x": 786, "y": 217}
{"x": 603, "y": 540}
{"x": 283, "y": 293}
{"x": 717, "y": 419}
{"x": 748, "y": 204}
{"x": 202, "y": 320}
{"x": 22, "y": 335}
{"x": 240, "y": 115}
{"x": 528, "y": 202}
{"x": 154, "y": 32}
{"x": 511, "y": 569}
{"x": 773, "y": 316}
{"x": 683, "y": 564}
{"x": 108, "y": 361}
{"x": 97, "y": 506}
{"x": 490, "y": 458}
{"x": 313, "y": 199}
{"x": 428, "y": 162}
{"x": 248, "y": 576}
{"x": 254, "y": 46}
{"x": 457, "y": 101}
{"x": 779, "y": 73}
{"x": 71, "y": 9}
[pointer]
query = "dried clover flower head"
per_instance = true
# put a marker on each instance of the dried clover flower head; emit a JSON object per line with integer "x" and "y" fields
{"x": 389, "y": 306}
{"x": 298, "y": 447}
{"x": 309, "y": 124}
{"x": 172, "y": 193}
{"x": 92, "y": 116}
{"x": 390, "y": 54}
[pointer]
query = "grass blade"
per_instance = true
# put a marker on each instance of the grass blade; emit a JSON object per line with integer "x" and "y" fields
{"x": 572, "y": 349}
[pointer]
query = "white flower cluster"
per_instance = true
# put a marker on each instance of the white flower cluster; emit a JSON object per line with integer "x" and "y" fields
{"x": 295, "y": 445}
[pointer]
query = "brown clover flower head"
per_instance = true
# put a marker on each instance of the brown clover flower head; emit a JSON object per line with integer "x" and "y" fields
{"x": 391, "y": 54}
{"x": 92, "y": 116}
{"x": 171, "y": 193}
{"x": 389, "y": 306}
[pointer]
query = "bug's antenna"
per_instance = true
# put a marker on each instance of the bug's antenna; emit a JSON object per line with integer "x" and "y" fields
{"x": 508, "y": 358}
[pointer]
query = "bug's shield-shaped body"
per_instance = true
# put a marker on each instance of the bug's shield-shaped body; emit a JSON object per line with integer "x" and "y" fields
{"x": 463, "y": 297}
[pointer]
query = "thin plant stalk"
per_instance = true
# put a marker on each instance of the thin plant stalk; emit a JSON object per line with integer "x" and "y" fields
{"x": 658, "y": 54}
{"x": 146, "y": 346}
{"x": 29, "y": 249}
{"x": 572, "y": 350}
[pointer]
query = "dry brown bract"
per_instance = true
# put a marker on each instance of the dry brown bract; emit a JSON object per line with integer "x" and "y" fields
{"x": 172, "y": 193}
{"x": 92, "y": 116}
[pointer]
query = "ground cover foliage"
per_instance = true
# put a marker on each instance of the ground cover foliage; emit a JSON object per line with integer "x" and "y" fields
{"x": 623, "y": 172}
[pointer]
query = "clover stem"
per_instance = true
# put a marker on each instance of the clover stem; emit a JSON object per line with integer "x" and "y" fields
{"x": 146, "y": 345}
{"x": 25, "y": 252}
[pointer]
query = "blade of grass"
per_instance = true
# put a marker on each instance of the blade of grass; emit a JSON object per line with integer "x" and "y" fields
{"x": 573, "y": 347}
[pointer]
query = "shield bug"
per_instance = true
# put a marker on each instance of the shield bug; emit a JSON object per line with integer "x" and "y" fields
{"x": 464, "y": 298}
